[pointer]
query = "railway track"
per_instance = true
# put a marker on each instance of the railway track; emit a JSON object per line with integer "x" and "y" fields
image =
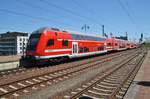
{"x": 113, "y": 84}
{"x": 23, "y": 70}
{"x": 4, "y": 73}
{"x": 16, "y": 88}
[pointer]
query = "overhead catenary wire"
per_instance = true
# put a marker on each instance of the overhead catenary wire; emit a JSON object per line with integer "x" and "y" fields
{"x": 128, "y": 7}
{"x": 93, "y": 13}
{"x": 70, "y": 12}
{"x": 31, "y": 16}
{"x": 54, "y": 5}
{"x": 96, "y": 22}
{"x": 87, "y": 9}
{"x": 34, "y": 17}
{"x": 34, "y": 5}
{"x": 133, "y": 14}
{"x": 127, "y": 12}
{"x": 47, "y": 10}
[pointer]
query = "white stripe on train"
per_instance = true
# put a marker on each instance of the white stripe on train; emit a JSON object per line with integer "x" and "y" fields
{"x": 58, "y": 50}
{"x": 71, "y": 55}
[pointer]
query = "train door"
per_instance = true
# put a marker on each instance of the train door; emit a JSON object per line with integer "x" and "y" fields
{"x": 74, "y": 48}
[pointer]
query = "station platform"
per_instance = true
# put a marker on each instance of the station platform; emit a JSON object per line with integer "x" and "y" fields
{"x": 9, "y": 62}
{"x": 140, "y": 87}
{"x": 5, "y": 59}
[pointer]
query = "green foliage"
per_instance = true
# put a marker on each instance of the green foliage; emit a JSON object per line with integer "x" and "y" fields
{"x": 146, "y": 45}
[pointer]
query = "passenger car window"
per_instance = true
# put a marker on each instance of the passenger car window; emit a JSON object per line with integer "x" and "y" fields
{"x": 95, "y": 49}
{"x": 50, "y": 42}
{"x": 80, "y": 50}
{"x": 86, "y": 49}
{"x": 101, "y": 48}
{"x": 109, "y": 44}
{"x": 64, "y": 42}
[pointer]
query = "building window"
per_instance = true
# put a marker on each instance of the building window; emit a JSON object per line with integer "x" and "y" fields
{"x": 20, "y": 39}
{"x": 50, "y": 42}
{"x": 20, "y": 48}
{"x": 64, "y": 42}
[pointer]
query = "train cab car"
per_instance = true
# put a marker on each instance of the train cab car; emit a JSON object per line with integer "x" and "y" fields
{"x": 45, "y": 43}
{"x": 50, "y": 43}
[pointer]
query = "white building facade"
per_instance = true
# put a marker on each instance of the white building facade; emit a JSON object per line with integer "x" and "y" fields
{"x": 13, "y": 43}
{"x": 21, "y": 44}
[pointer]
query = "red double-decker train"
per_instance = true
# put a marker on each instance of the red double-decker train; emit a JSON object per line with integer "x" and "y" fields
{"x": 50, "y": 43}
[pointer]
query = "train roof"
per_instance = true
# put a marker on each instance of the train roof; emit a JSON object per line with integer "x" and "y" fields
{"x": 80, "y": 33}
{"x": 58, "y": 30}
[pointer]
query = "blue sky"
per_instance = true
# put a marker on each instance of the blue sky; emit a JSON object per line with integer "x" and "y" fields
{"x": 118, "y": 16}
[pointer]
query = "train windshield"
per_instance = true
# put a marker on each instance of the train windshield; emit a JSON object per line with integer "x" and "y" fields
{"x": 33, "y": 41}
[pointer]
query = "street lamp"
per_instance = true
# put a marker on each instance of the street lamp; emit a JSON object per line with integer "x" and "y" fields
{"x": 85, "y": 27}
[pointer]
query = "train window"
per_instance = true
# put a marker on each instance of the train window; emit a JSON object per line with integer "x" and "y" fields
{"x": 86, "y": 49}
{"x": 109, "y": 44}
{"x": 98, "y": 48}
{"x": 56, "y": 34}
{"x": 101, "y": 48}
{"x": 116, "y": 44}
{"x": 95, "y": 49}
{"x": 80, "y": 50}
{"x": 55, "y": 29}
{"x": 64, "y": 42}
{"x": 84, "y": 37}
{"x": 33, "y": 41}
{"x": 50, "y": 42}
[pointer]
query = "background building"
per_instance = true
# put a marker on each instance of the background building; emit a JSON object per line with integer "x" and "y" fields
{"x": 13, "y": 43}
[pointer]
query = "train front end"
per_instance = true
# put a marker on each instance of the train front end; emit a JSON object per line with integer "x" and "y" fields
{"x": 29, "y": 58}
